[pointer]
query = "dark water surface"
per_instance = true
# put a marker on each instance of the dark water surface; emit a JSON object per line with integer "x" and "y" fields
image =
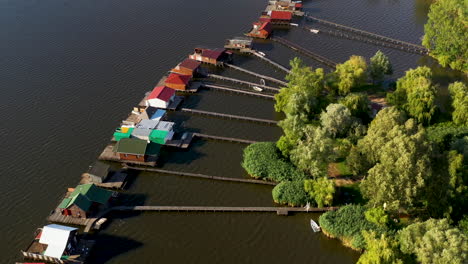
{"x": 71, "y": 70}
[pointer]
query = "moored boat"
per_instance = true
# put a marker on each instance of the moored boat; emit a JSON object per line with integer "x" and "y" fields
{"x": 314, "y": 226}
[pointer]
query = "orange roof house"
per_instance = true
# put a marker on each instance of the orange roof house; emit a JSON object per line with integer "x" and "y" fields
{"x": 178, "y": 81}
{"x": 187, "y": 67}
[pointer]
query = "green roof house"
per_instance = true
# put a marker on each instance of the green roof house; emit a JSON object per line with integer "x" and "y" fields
{"x": 82, "y": 200}
{"x": 133, "y": 149}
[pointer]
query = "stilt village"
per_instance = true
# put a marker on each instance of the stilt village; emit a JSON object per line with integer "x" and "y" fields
{"x": 137, "y": 142}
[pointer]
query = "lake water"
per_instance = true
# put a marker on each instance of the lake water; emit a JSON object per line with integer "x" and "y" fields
{"x": 72, "y": 70}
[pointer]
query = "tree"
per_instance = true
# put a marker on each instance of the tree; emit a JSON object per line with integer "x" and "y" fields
{"x": 351, "y": 74}
{"x": 404, "y": 165}
{"x": 379, "y": 66}
{"x": 358, "y": 105}
{"x": 435, "y": 242}
{"x": 314, "y": 152}
{"x": 291, "y": 193}
{"x": 321, "y": 190}
{"x": 446, "y": 35}
{"x": 377, "y": 216}
{"x": 380, "y": 250}
{"x": 336, "y": 120}
{"x": 293, "y": 128}
{"x": 415, "y": 94}
{"x": 459, "y": 94}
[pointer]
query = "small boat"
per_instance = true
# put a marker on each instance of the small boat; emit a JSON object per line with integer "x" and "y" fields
{"x": 258, "y": 89}
{"x": 314, "y": 226}
{"x": 294, "y": 24}
{"x": 315, "y": 31}
{"x": 261, "y": 53}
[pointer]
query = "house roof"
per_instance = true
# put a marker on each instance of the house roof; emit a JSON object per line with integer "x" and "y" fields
{"x": 158, "y": 115}
{"x": 212, "y": 54}
{"x": 148, "y": 124}
{"x": 175, "y": 78}
{"x": 92, "y": 192}
{"x": 141, "y": 133}
{"x": 164, "y": 125}
{"x": 99, "y": 169}
{"x": 56, "y": 238}
{"x": 282, "y": 15}
{"x": 190, "y": 64}
{"x": 162, "y": 93}
{"x": 266, "y": 26}
{"x": 153, "y": 149}
{"x": 131, "y": 146}
{"x": 158, "y": 136}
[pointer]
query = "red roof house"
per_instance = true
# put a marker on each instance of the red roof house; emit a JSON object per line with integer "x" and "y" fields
{"x": 280, "y": 16}
{"x": 178, "y": 81}
{"x": 212, "y": 56}
{"x": 260, "y": 30}
{"x": 160, "y": 97}
{"x": 187, "y": 67}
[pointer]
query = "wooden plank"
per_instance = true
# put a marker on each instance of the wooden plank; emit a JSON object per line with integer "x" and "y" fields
{"x": 228, "y": 116}
{"x": 227, "y": 89}
{"x": 307, "y": 52}
{"x": 271, "y": 79}
{"x": 241, "y": 82}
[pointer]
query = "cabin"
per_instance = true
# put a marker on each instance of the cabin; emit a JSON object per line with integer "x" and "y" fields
{"x": 123, "y": 132}
{"x": 260, "y": 30}
{"x": 178, "y": 81}
{"x": 101, "y": 175}
{"x": 55, "y": 244}
{"x": 152, "y": 113}
{"x": 277, "y": 17}
{"x": 242, "y": 44}
{"x": 286, "y": 5}
{"x": 134, "y": 149}
{"x": 83, "y": 200}
{"x": 187, "y": 67}
{"x": 211, "y": 56}
{"x": 163, "y": 132}
{"x": 98, "y": 172}
{"x": 161, "y": 97}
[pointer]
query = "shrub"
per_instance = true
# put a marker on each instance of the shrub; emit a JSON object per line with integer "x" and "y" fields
{"x": 291, "y": 193}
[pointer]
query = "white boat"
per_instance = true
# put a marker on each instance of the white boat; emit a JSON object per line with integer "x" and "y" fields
{"x": 315, "y": 31}
{"x": 314, "y": 226}
{"x": 261, "y": 53}
{"x": 294, "y": 24}
{"x": 258, "y": 89}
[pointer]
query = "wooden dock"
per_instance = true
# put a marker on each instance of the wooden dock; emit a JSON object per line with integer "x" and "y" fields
{"x": 57, "y": 217}
{"x": 306, "y": 52}
{"x": 251, "y": 84}
{"x": 402, "y": 44}
{"x": 202, "y": 176}
{"x": 227, "y": 139}
{"x": 271, "y": 79}
{"x": 227, "y": 116}
{"x": 238, "y": 91}
{"x": 264, "y": 58}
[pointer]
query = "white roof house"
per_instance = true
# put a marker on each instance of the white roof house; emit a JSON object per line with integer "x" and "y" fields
{"x": 56, "y": 238}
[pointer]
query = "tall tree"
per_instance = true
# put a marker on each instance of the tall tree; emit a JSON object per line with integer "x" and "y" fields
{"x": 446, "y": 35}
{"x": 380, "y": 250}
{"x": 358, "y": 104}
{"x": 336, "y": 120}
{"x": 435, "y": 242}
{"x": 314, "y": 152}
{"x": 459, "y": 94}
{"x": 321, "y": 190}
{"x": 351, "y": 74}
{"x": 379, "y": 66}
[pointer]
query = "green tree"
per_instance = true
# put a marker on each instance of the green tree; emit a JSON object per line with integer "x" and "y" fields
{"x": 463, "y": 225}
{"x": 459, "y": 94}
{"x": 336, "y": 120}
{"x": 321, "y": 190}
{"x": 351, "y": 74}
{"x": 380, "y": 250}
{"x": 434, "y": 241}
{"x": 404, "y": 165}
{"x": 377, "y": 216}
{"x": 314, "y": 152}
{"x": 291, "y": 193}
{"x": 358, "y": 104}
{"x": 379, "y": 66}
{"x": 446, "y": 35}
{"x": 415, "y": 94}
{"x": 293, "y": 128}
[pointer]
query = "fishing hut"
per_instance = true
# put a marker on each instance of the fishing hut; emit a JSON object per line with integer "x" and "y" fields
{"x": 215, "y": 57}
{"x": 260, "y": 30}
{"x": 294, "y": 7}
{"x": 187, "y": 67}
{"x": 58, "y": 244}
{"x": 277, "y": 17}
{"x": 242, "y": 44}
{"x": 101, "y": 175}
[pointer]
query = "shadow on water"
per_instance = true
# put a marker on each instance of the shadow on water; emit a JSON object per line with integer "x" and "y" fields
{"x": 102, "y": 252}
{"x": 182, "y": 156}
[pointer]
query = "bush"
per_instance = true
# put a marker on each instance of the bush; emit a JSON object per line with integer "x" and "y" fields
{"x": 262, "y": 160}
{"x": 347, "y": 224}
{"x": 291, "y": 193}
{"x": 444, "y": 133}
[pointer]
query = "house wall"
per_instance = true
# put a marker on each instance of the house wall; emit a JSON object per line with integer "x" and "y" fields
{"x": 77, "y": 212}
{"x": 132, "y": 157}
{"x": 183, "y": 71}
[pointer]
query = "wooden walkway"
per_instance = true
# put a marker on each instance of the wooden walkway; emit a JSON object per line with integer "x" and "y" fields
{"x": 271, "y": 79}
{"x": 238, "y": 91}
{"x": 227, "y": 139}
{"x": 251, "y": 84}
{"x": 279, "y": 66}
{"x": 57, "y": 217}
{"x": 306, "y": 52}
{"x": 401, "y": 44}
{"x": 202, "y": 176}
{"x": 227, "y": 116}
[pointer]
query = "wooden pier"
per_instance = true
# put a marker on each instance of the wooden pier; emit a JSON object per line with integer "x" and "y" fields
{"x": 202, "y": 176}
{"x": 271, "y": 79}
{"x": 227, "y": 116}
{"x": 227, "y": 139}
{"x": 402, "y": 44}
{"x": 306, "y": 52}
{"x": 238, "y": 91}
{"x": 251, "y": 84}
{"x": 279, "y": 66}
{"x": 57, "y": 217}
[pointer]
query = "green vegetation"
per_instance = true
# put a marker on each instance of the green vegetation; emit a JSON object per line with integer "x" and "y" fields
{"x": 382, "y": 250}
{"x": 446, "y": 35}
{"x": 321, "y": 190}
{"x": 291, "y": 193}
{"x": 379, "y": 66}
{"x": 358, "y": 105}
{"x": 459, "y": 93}
{"x": 377, "y": 216}
{"x": 351, "y": 74}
